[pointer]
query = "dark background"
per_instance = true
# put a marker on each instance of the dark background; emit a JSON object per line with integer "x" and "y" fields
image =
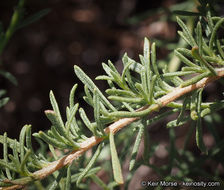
{"x": 83, "y": 32}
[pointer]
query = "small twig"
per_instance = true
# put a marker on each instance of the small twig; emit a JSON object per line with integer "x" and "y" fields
{"x": 116, "y": 126}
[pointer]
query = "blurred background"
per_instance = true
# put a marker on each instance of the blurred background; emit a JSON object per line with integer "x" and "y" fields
{"x": 83, "y": 32}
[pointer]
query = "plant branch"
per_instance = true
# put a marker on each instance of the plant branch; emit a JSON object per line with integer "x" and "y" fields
{"x": 113, "y": 128}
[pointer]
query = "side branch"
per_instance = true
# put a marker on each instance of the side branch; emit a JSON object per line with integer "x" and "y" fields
{"x": 116, "y": 126}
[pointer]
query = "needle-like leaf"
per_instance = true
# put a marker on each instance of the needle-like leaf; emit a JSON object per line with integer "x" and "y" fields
{"x": 118, "y": 177}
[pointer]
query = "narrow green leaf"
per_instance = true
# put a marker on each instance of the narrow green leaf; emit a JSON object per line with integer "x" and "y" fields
{"x": 183, "y": 58}
{"x": 135, "y": 66}
{"x": 164, "y": 86}
{"x": 118, "y": 79}
{"x": 212, "y": 108}
{"x": 176, "y": 123}
{"x": 153, "y": 57}
{"x": 71, "y": 117}
{"x": 104, "y": 77}
{"x": 11, "y": 143}
{"x": 206, "y": 49}
{"x": 186, "y": 33}
{"x": 7, "y": 166}
{"x": 5, "y": 155}
{"x": 199, "y": 137}
{"x": 90, "y": 164}
{"x": 214, "y": 33}
{"x": 159, "y": 93}
{"x": 75, "y": 130}
{"x": 88, "y": 95}
{"x": 87, "y": 81}
{"x": 136, "y": 147}
{"x": 199, "y": 101}
{"x": 151, "y": 89}
{"x": 176, "y": 80}
{"x": 194, "y": 69}
{"x": 120, "y": 92}
{"x": 103, "y": 110}
{"x": 126, "y": 69}
{"x": 28, "y": 137}
{"x": 72, "y": 96}
{"x": 181, "y": 115}
{"x": 195, "y": 79}
{"x": 86, "y": 120}
{"x": 205, "y": 112}
{"x": 199, "y": 37}
{"x": 193, "y": 106}
{"x": 50, "y": 140}
{"x": 121, "y": 114}
{"x": 178, "y": 73}
{"x": 195, "y": 53}
{"x": 15, "y": 154}
{"x": 146, "y": 52}
{"x": 96, "y": 103}
{"x": 2, "y": 176}
{"x": 124, "y": 99}
{"x": 186, "y": 52}
{"x": 55, "y": 120}
{"x": 22, "y": 137}
{"x": 111, "y": 84}
{"x": 181, "y": 34}
{"x": 67, "y": 139}
{"x": 68, "y": 178}
{"x": 23, "y": 168}
{"x": 51, "y": 148}
{"x": 53, "y": 133}
{"x": 221, "y": 52}
{"x": 144, "y": 82}
{"x": 146, "y": 153}
{"x": 141, "y": 91}
{"x": 128, "y": 106}
{"x": 132, "y": 65}
{"x": 111, "y": 65}
{"x": 14, "y": 162}
{"x": 107, "y": 69}
{"x": 56, "y": 110}
{"x": 118, "y": 177}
